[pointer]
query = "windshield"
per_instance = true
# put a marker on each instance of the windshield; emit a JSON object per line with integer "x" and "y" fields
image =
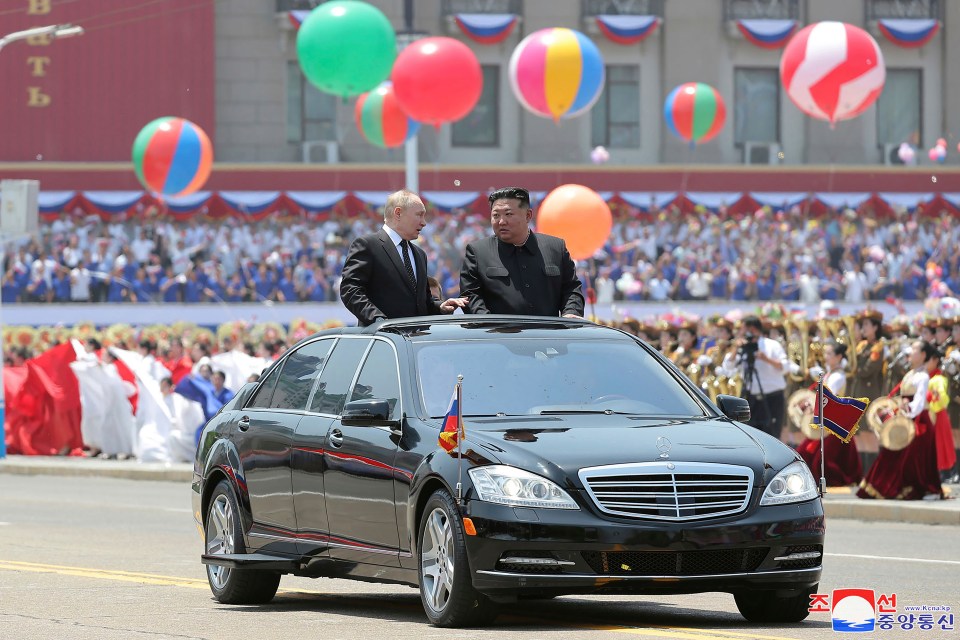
{"x": 549, "y": 376}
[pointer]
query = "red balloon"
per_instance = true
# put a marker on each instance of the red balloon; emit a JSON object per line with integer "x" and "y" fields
{"x": 437, "y": 80}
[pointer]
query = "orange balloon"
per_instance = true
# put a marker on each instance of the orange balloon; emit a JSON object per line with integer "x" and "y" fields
{"x": 578, "y": 215}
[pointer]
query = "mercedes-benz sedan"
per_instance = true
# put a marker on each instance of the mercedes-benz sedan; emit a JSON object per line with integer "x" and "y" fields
{"x": 590, "y": 464}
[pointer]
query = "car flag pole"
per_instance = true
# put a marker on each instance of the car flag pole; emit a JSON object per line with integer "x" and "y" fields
{"x": 460, "y": 435}
{"x": 819, "y": 416}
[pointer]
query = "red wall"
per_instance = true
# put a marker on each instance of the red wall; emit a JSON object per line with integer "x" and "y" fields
{"x": 137, "y": 61}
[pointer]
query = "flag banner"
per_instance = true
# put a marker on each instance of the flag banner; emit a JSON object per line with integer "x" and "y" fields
{"x": 908, "y": 33}
{"x": 841, "y": 416}
{"x": 452, "y": 423}
{"x": 769, "y": 34}
{"x": 627, "y": 29}
{"x": 486, "y": 28}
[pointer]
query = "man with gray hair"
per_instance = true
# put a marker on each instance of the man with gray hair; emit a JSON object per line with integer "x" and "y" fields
{"x": 385, "y": 274}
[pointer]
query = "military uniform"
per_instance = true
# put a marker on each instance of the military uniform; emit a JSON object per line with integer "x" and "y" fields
{"x": 867, "y": 382}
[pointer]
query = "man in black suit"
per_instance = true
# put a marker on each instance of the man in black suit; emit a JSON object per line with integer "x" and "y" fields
{"x": 385, "y": 274}
{"x": 517, "y": 271}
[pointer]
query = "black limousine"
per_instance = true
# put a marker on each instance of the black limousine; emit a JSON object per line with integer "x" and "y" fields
{"x": 590, "y": 464}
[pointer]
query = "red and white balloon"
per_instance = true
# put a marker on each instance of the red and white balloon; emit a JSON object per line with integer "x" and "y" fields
{"x": 832, "y": 70}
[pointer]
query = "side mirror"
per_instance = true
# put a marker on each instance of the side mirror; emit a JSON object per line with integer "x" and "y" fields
{"x": 734, "y": 408}
{"x": 367, "y": 413}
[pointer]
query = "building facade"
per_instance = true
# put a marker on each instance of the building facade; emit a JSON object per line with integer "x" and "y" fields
{"x": 266, "y": 112}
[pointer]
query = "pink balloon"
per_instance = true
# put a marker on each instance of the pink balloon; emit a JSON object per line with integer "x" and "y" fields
{"x": 437, "y": 80}
{"x": 942, "y": 142}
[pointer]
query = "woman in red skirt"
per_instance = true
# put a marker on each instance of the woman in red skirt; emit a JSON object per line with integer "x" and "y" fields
{"x": 842, "y": 460}
{"x": 911, "y": 473}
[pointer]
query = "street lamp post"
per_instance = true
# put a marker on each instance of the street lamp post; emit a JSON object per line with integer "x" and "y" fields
{"x": 52, "y": 31}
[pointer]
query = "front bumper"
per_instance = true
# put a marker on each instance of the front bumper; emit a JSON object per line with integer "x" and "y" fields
{"x": 600, "y": 554}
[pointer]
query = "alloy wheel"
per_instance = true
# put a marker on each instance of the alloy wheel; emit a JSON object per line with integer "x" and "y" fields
{"x": 437, "y": 560}
{"x": 220, "y": 528}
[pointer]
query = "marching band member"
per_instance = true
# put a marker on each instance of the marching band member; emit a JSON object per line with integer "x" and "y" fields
{"x": 842, "y": 460}
{"x": 910, "y": 473}
{"x": 686, "y": 351}
{"x": 867, "y": 381}
{"x": 938, "y": 398}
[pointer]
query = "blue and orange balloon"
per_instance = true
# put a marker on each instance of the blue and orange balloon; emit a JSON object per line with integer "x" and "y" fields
{"x": 695, "y": 112}
{"x": 172, "y": 156}
{"x": 380, "y": 119}
{"x": 557, "y": 73}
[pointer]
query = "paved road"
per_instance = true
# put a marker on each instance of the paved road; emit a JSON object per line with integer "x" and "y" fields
{"x": 110, "y": 559}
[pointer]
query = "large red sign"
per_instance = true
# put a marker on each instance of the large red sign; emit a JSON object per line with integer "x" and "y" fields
{"x": 85, "y": 98}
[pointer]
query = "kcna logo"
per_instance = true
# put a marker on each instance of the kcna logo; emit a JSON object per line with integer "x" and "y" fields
{"x": 853, "y": 610}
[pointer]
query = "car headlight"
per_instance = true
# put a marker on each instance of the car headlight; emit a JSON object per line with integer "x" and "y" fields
{"x": 794, "y": 483}
{"x": 518, "y": 488}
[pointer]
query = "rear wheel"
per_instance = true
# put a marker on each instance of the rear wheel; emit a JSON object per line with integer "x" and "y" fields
{"x": 224, "y": 535}
{"x": 446, "y": 588}
{"x": 768, "y": 606}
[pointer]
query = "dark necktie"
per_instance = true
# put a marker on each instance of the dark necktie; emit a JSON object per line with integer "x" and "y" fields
{"x": 405, "y": 247}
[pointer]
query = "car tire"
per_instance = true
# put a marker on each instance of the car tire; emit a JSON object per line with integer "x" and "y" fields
{"x": 446, "y": 586}
{"x": 767, "y": 606}
{"x": 223, "y": 535}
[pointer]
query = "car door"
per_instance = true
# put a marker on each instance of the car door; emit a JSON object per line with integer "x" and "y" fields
{"x": 264, "y": 438}
{"x": 360, "y": 468}
{"x": 306, "y": 462}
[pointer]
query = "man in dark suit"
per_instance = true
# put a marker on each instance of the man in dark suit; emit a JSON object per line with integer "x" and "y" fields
{"x": 385, "y": 274}
{"x": 517, "y": 271}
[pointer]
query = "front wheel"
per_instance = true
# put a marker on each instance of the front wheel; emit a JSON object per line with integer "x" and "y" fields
{"x": 224, "y": 535}
{"x": 446, "y": 588}
{"x": 767, "y": 606}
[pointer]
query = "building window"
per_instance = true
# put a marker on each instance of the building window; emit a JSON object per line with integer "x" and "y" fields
{"x": 909, "y": 9}
{"x": 616, "y": 115}
{"x": 899, "y": 108}
{"x": 481, "y": 127}
{"x": 756, "y": 105}
{"x": 311, "y": 113}
{"x": 591, "y": 8}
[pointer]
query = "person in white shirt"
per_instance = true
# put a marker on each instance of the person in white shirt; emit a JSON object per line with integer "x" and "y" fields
{"x": 762, "y": 363}
{"x": 80, "y": 283}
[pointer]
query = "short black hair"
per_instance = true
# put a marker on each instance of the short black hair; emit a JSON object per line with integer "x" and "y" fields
{"x": 510, "y": 193}
{"x": 754, "y": 322}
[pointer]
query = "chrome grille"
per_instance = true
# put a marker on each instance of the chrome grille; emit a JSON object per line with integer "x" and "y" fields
{"x": 665, "y": 490}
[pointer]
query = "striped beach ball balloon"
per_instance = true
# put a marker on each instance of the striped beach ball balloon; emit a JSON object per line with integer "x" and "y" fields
{"x": 832, "y": 70}
{"x": 695, "y": 112}
{"x": 172, "y": 156}
{"x": 380, "y": 119}
{"x": 557, "y": 73}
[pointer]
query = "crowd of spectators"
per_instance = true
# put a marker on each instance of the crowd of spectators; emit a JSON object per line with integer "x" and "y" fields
{"x": 667, "y": 255}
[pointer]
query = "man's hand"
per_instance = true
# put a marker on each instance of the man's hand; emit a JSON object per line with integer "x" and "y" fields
{"x": 572, "y": 315}
{"x": 452, "y": 304}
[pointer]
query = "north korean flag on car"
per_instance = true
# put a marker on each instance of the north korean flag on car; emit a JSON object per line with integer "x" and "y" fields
{"x": 452, "y": 429}
{"x": 841, "y": 415}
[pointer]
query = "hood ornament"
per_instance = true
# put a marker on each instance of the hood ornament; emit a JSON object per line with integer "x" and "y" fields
{"x": 663, "y": 446}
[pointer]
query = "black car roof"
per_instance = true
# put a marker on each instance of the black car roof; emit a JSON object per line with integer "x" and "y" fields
{"x": 465, "y": 327}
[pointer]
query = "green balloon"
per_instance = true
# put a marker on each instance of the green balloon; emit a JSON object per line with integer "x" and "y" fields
{"x": 346, "y": 47}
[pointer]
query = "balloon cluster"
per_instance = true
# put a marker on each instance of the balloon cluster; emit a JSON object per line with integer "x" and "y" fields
{"x": 907, "y": 154}
{"x": 938, "y": 153}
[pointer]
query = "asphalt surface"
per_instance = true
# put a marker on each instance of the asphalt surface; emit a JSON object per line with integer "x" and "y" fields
{"x": 840, "y": 503}
{"x": 112, "y": 558}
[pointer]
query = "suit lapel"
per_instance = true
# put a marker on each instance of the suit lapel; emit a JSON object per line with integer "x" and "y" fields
{"x": 394, "y": 256}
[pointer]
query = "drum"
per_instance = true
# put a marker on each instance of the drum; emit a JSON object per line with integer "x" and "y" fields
{"x": 879, "y": 412}
{"x": 897, "y": 433}
{"x": 800, "y": 408}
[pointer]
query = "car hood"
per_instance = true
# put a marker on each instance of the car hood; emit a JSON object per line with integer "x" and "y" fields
{"x": 559, "y": 447}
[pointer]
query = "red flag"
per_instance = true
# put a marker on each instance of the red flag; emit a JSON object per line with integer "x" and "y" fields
{"x": 452, "y": 423}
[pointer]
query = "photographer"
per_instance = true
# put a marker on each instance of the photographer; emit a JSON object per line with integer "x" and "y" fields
{"x": 762, "y": 362}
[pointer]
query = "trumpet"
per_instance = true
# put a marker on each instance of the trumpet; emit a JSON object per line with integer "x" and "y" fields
{"x": 797, "y": 348}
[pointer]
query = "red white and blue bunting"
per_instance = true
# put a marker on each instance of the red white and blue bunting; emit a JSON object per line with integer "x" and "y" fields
{"x": 257, "y": 205}
{"x": 486, "y": 28}
{"x": 297, "y": 17}
{"x": 769, "y": 34}
{"x": 627, "y": 29}
{"x": 909, "y": 33}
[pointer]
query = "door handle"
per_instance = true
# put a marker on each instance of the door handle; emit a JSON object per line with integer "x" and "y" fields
{"x": 336, "y": 438}
{"x": 244, "y": 423}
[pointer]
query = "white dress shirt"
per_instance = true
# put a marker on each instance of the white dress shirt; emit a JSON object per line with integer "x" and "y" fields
{"x": 395, "y": 237}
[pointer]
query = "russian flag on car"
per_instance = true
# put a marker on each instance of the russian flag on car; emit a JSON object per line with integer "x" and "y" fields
{"x": 452, "y": 429}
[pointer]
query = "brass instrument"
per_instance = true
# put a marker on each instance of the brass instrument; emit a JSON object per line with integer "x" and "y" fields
{"x": 847, "y": 337}
{"x": 797, "y": 348}
{"x": 693, "y": 372}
